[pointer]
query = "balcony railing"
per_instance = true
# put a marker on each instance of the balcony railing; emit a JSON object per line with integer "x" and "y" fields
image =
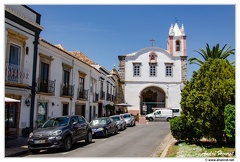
{"x": 82, "y": 94}
{"x": 67, "y": 90}
{"x": 46, "y": 86}
{"x": 16, "y": 74}
{"x": 102, "y": 95}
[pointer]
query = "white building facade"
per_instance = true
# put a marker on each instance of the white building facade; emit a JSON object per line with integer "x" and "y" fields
{"x": 153, "y": 77}
{"x": 22, "y": 29}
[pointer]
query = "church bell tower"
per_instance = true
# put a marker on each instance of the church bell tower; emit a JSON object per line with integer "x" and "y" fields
{"x": 176, "y": 44}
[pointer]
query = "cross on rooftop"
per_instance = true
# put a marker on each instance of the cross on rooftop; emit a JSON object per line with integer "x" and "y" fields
{"x": 176, "y": 20}
{"x": 152, "y": 40}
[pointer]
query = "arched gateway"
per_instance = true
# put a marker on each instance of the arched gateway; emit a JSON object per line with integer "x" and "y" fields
{"x": 152, "y": 97}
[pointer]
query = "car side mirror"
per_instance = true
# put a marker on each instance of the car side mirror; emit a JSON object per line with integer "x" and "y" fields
{"x": 75, "y": 123}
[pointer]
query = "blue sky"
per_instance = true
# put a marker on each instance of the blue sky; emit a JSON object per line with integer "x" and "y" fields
{"x": 103, "y": 32}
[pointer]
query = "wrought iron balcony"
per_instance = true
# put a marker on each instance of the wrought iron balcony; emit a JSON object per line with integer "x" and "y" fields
{"x": 102, "y": 95}
{"x": 16, "y": 74}
{"x": 82, "y": 94}
{"x": 46, "y": 86}
{"x": 67, "y": 90}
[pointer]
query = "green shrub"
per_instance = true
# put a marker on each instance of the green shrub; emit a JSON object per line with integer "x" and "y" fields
{"x": 177, "y": 127}
{"x": 183, "y": 129}
{"x": 229, "y": 120}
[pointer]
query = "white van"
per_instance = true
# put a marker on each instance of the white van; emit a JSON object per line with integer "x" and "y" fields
{"x": 176, "y": 111}
{"x": 165, "y": 115}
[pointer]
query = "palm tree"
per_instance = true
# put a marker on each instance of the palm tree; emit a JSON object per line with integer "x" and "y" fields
{"x": 216, "y": 52}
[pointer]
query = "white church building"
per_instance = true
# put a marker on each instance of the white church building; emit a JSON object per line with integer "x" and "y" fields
{"x": 154, "y": 77}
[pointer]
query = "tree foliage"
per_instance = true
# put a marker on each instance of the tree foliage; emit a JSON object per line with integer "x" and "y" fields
{"x": 205, "y": 97}
{"x": 183, "y": 130}
{"x": 229, "y": 120}
{"x": 214, "y": 53}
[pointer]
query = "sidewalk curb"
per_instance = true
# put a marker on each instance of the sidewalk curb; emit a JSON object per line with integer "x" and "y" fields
{"x": 163, "y": 146}
{"x": 19, "y": 154}
{"x": 164, "y": 153}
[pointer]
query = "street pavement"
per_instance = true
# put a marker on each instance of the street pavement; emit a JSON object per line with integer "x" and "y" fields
{"x": 17, "y": 147}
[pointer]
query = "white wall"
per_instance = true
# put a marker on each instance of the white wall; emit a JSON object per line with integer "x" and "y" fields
{"x": 135, "y": 85}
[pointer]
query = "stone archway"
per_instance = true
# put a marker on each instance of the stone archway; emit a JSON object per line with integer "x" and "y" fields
{"x": 152, "y": 97}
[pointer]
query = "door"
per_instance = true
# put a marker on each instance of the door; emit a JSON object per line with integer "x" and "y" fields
{"x": 83, "y": 127}
{"x": 41, "y": 113}
{"x": 44, "y": 77}
{"x": 157, "y": 115}
{"x": 10, "y": 115}
{"x": 76, "y": 127}
{"x": 111, "y": 125}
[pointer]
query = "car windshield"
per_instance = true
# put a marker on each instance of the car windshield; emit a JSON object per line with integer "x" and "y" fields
{"x": 115, "y": 118}
{"x": 56, "y": 122}
{"x": 127, "y": 116}
{"x": 98, "y": 122}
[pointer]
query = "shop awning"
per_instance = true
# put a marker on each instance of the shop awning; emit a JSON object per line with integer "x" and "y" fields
{"x": 122, "y": 104}
{"x": 11, "y": 100}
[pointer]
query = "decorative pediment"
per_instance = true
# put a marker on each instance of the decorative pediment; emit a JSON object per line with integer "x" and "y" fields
{"x": 152, "y": 57}
{"x": 45, "y": 58}
{"x": 17, "y": 37}
{"x": 66, "y": 67}
{"x": 82, "y": 74}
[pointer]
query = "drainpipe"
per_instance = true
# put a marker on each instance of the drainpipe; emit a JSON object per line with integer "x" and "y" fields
{"x": 89, "y": 115}
{"x": 33, "y": 90}
{"x": 71, "y": 110}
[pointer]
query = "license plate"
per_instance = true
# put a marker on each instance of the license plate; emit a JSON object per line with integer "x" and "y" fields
{"x": 39, "y": 141}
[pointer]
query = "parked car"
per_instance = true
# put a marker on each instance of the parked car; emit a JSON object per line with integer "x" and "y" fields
{"x": 121, "y": 123}
{"x": 161, "y": 114}
{"x": 129, "y": 118}
{"x": 103, "y": 126}
{"x": 60, "y": 132}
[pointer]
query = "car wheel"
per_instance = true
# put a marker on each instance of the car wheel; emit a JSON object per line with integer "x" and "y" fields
{"x": 168, "y": 119}
{"x": 134, "y": 123}
{"x": 150, "y": 119}
{"x": 106, "y": 133}
{"x": 89, "y": 137}
{"x": 125, "y": 127}
{"x": 67, "y": 144}
{"x": 35, "y": 151}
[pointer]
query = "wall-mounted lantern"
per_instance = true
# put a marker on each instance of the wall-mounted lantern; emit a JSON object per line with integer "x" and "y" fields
{"x": 27, "y": 50}
{"x": 27, "y": 102}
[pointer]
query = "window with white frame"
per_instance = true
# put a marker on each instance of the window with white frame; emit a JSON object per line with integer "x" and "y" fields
{"x": 15, "y": 55}
{"x": 152, "y": 69}
{"x": 136, "y": 69}
{"x": 169, "y": 69}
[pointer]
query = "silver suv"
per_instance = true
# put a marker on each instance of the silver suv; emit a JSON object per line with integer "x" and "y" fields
{"x": 129, "y": 118}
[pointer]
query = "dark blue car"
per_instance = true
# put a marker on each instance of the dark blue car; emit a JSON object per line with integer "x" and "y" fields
{"x": 60, "y": 132}
{"x": 103, "y": 127}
